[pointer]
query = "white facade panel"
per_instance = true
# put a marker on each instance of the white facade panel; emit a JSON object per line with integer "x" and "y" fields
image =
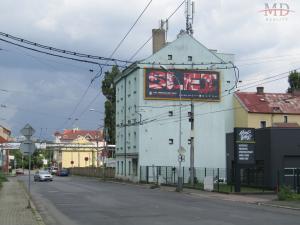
{"x": 149, "y": 142}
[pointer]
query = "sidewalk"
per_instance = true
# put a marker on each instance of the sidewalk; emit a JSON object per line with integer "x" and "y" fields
{"x": 259, "y": 199}
{"x": 13, "y": 203}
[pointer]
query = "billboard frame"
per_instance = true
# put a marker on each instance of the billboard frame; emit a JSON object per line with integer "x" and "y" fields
{"x": 183, "y": 98}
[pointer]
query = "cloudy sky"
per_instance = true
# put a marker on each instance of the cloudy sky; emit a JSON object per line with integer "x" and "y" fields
{"x": 44, "y": 90}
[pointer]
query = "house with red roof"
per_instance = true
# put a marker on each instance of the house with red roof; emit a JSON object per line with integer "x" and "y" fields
{"x": 81, "y": 156}
{"x": 259, "y": 109}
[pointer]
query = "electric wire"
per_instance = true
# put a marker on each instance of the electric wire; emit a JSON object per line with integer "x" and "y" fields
{"x": 150, "y": 38}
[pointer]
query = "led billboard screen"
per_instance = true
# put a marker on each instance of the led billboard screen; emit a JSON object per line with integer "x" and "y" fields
{"x": 195, "y": 84}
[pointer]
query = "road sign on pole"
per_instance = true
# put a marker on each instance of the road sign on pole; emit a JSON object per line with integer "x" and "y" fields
{"x": 28, "y": 146}
{"x": 27, "y": 131}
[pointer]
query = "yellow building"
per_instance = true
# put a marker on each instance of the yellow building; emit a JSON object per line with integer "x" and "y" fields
{"x": 80, "y": 148}
{"x": 259, "y": 109}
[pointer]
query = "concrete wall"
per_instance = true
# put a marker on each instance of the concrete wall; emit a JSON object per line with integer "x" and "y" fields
{"x": 93, "y": 172}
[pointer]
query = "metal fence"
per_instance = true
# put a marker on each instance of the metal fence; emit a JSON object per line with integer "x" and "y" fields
{"x": 289, "y": 177}
{"x": 252, "y": 180}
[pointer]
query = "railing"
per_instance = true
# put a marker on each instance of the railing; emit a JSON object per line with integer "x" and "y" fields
{"x": 252, "y": 180}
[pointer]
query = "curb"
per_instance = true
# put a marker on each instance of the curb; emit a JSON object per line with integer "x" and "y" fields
{"x": 36, "y": 214}
{"x": 278, "y": 206}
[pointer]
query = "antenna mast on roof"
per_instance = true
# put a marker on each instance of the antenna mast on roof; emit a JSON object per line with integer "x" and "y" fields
{"x": 189, "y": 15}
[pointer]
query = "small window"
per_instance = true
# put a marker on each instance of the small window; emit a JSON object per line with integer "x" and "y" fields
{"x": 190, "y": 58}
{"x": 170, "y": 113}
{"x": 262, "y": 124}
{"x": 285, "y": 119}
{"x": 170, "y": 57}
{"x": 171, "y": 141}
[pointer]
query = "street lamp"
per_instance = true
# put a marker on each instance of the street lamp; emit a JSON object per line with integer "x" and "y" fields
{"x": 180, "y": 148}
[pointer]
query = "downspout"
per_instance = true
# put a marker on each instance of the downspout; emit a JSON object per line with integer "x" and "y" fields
{"x": 125, "y": 133}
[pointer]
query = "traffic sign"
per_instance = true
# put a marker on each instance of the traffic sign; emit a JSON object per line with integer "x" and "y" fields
{"x": 181, "y": 158}
{"x": 27, "y": 131}
{"x": 27, "y": 147}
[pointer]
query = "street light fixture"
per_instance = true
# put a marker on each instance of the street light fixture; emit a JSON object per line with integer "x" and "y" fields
{"x": 180, "y": 148}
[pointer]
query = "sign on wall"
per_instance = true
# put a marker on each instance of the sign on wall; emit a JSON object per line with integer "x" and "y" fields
{"x": 244, "y": 145}
{"x": 195, "y": 84}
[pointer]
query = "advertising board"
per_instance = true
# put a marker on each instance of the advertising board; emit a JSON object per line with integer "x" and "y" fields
{"x": 194, "y": 84}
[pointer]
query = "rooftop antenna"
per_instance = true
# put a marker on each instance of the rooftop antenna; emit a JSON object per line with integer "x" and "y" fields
{"x": 189, "y": 16}
{"x": 164, "y": 24}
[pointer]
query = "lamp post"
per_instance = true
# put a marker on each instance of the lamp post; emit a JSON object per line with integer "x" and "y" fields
{"x": 180, "y": 148}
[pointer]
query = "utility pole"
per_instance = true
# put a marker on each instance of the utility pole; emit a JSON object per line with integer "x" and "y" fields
{"x": 192, "y": 169}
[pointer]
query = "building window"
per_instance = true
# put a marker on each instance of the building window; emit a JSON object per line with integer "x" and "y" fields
{"x": 285, "y": 119}
{"x": 170, "y": 57}
{"x": 190, "y": 58}
{"x": 170, "y": 113}
{"x": 171, "y": 141}
{"x": 262, "y": 124}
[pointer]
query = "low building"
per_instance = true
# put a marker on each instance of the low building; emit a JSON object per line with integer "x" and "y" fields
{"x": 276, "y": 157}
{"x": 4, "y": 153}
{"x": 79, "y": 148}
{"x": 259, "y": 109}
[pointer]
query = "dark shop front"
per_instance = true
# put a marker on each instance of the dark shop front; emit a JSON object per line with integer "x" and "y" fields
{"x": 274, "y": 161}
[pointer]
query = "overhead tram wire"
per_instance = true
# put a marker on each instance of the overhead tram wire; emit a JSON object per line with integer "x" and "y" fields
{"x": 77, "y": 54}
{"x": 113, "y": 52}
{"x": 56, "y": 55}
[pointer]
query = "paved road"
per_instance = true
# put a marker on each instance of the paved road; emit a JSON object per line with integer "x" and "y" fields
{"x": 86, "y": 201}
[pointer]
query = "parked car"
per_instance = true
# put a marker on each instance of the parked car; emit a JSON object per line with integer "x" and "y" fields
{"x": 19, "y": 172}
{"x": 53, "y": 170}
{"x": 42, "y": 175}
{"x": 62, "y": 172}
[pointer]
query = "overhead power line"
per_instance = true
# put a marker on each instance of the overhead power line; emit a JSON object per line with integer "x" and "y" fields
{"x": 56, "y": 55}
{"x": 150, "y": 38}
{"x": 50, "y": 48}
{"x": 122, "y": 40}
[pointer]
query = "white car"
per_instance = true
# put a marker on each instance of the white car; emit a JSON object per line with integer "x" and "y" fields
{"x": 42, "y": 175}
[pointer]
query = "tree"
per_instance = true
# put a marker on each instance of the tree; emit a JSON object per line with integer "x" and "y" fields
{"x": 294, "y": 80}
{"x": 109, "y": 91}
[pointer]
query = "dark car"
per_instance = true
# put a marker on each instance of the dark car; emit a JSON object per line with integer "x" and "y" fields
{"x": 42, "y": 175}
{"x": 62, "y": 172}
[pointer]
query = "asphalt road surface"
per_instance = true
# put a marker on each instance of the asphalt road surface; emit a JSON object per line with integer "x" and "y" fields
{"x": 87, "y": 201}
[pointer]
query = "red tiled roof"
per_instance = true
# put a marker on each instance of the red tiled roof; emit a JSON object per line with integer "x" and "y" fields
{"x": 2, "y": 140}
{"x": 74, "y": 134}
{"x": 280, "y": 103}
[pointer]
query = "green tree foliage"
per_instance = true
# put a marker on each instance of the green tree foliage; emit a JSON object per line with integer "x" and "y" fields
{"x": 23, "y": 162}
{"x": 109, "y": 91}
{"x": 294, "y": 80}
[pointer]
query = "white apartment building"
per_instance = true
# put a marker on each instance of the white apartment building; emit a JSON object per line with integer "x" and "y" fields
{"x": 147, "y": 108}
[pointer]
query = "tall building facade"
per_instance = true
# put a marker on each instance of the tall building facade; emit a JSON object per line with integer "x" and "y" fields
{"x": 148, "y": 96}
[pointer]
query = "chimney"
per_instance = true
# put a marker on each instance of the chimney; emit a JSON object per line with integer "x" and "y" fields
{"x": 259, "y": 90}
{"x": 158, "y": 39}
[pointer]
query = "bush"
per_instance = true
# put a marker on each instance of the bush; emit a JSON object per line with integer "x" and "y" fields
{"x": 286, "y": 193}
{"x": 2, "y": 179}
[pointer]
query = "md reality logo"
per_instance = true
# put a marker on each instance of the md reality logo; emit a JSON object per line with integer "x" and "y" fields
{"x": 278, "y": 9}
